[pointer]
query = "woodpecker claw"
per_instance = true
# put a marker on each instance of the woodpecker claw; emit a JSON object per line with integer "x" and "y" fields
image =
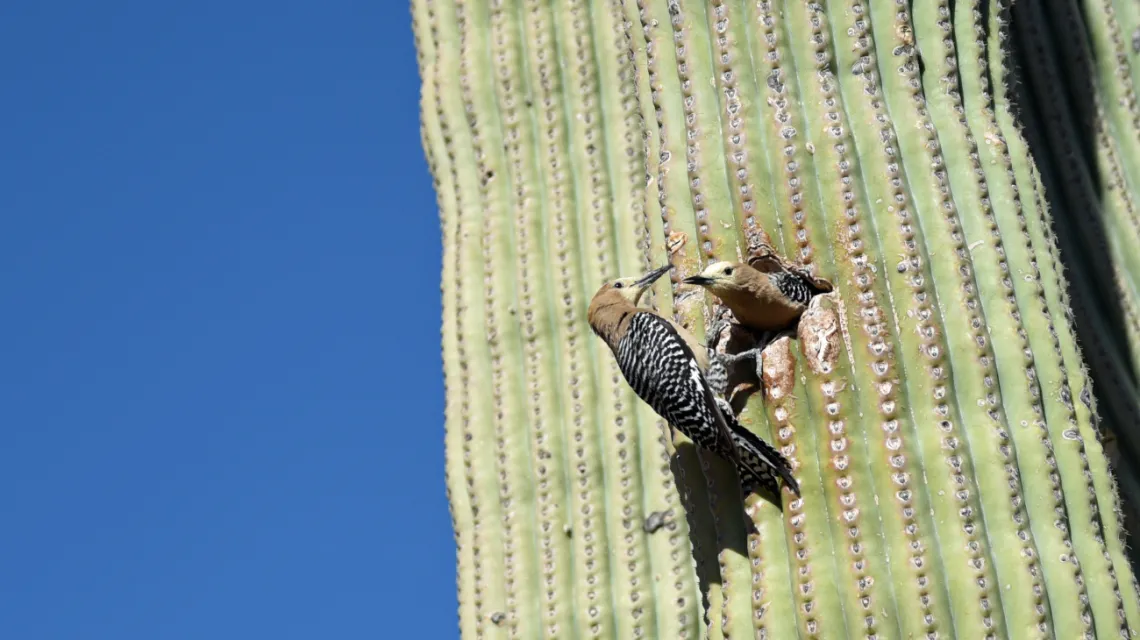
{"x": 715, "y": 333}
{"x": 733, "y": 358}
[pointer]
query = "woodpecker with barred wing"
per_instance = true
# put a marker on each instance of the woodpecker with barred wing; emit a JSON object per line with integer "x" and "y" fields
{"x": 766, "y": 294}
{"x": 660, "y": 361}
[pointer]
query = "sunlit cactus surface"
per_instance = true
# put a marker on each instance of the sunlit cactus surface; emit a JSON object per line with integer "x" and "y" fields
{"x": 964, "y": 174}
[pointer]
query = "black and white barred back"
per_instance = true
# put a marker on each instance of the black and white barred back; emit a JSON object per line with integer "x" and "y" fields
{"x": 663, "y": 372}
{"x": 793, "y": 286}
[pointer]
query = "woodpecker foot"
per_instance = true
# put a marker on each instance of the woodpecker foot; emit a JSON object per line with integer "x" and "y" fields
{"x": 715, "y": 332}
{"x": 755, "y": 354}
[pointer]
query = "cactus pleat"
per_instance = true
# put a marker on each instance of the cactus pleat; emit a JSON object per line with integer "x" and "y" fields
{"x": 444, "y": 176}
{"x": 1077, "y": 125}
{"x": 1049, "y": 394}
{"x": 937, "y": 406}
{"x": 536, "y": 316}
{"x": 1097, "y": 125}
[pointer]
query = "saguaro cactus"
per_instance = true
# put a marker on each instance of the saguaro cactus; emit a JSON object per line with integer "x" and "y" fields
{"x": 936, "y": 404}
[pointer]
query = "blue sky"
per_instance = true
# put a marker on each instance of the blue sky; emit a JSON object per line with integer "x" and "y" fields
{"x": 216, "y": 422}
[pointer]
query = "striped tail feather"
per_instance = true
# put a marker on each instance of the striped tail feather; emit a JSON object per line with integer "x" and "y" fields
{"x": 761, "y": 460}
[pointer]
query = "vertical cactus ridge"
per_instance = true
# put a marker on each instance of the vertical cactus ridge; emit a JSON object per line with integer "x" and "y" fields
{"x": 811, "y": 527}
{"x": 574, "y": 106}
{"x": 750, "y": 183}
{"x": 832, "y": 599}
{"x": 819, "y": 416}
{"x": 859, "y": 264}
{"x": 475, "y": 422}
{"x": 680, "y": 47}
{"x": 1107, "y": 76}
{"x": 1078, "y": 194}
{"x": 513, "y": 610}
{"x": 818, "y": 607}
{"x": 691, "y": 472}
{"x": 1117, "y": 405}
{"x": 825, "y": 169}
{"x": 1109, "y": 514}
{"x": 832, "y": 392}
{"x": 625, "y": 153}
{"x": 505, "y": 271}
{"x": 677, "y": 605}
{"x": 776, "y": 593}
{"x": 1127, "y": 16}
{"x": 1115, "y": 78}
{"x": 567, "y": 612}
{"x": 775, "y": 121}
{"x": 706, "y": 513}
{"x": 856, "y": 519}
{"x": 1086, "y": 534}
{"x": 1114, "y": 129}
{"x": 826, "y": 605}
{"x": 545, "y": 84}
{"x": 1056, "y": 294}
{"x": 973, "y": 369}
{"x": 858, "y": 522}
{"x": 443, "y": 178}
{"x": 937, "y": 406}
{"x": 730, "y": 604}
{"x": 1015, "y": 362}
{"x": 535, "y": 316}
{"x": 662, "y": 146}
{"x": 900, "y": 439}
{"x": 709, "y": 108}
{"x": 592, "y": 189}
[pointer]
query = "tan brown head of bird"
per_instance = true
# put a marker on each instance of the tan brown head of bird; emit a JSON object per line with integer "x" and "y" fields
{"x": 617, "y": 300}
{"x": 755, "y": 297}
{"x": 723, "y": 278}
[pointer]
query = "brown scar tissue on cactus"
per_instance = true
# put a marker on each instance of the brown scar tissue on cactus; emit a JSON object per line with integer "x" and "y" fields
{"x": 903, "y": 180}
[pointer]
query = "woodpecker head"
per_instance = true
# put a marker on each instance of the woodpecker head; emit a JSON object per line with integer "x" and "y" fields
{"x": 633, "y": 288}
{"x": 616, "y": 297}
{"x": 721, "y": 277}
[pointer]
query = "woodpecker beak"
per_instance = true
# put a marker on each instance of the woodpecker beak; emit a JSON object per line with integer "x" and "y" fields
{"x": 643, "y": 283}
{"x": 652, "y": 276}
{"x": 697, "y": 280}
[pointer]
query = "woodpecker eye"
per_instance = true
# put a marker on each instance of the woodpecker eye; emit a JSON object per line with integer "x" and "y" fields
{"x": 728, "y": 271}
{"x": 618, "y": 285}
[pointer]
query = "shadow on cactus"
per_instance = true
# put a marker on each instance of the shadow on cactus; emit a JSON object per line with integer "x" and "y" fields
{"x": 1085, "y": 169}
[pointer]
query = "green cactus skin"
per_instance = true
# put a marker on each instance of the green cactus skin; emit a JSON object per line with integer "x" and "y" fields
{"x": 937, "y": 407}
{"x": 1069, "y": 120}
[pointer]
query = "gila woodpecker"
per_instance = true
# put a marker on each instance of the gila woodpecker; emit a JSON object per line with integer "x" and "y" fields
{"x": 664, "y": 370}
{"x": 759, "y": 300}
{"x": 764, "y": 301}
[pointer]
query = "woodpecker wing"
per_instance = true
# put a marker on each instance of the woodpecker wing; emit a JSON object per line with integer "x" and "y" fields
{"x": 764, "y": 258}
{"x": 664, "y": 372}
{"x": 792, "y": 286}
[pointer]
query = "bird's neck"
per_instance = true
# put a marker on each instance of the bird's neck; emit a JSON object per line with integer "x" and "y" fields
{"x": 610, "y": 316}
